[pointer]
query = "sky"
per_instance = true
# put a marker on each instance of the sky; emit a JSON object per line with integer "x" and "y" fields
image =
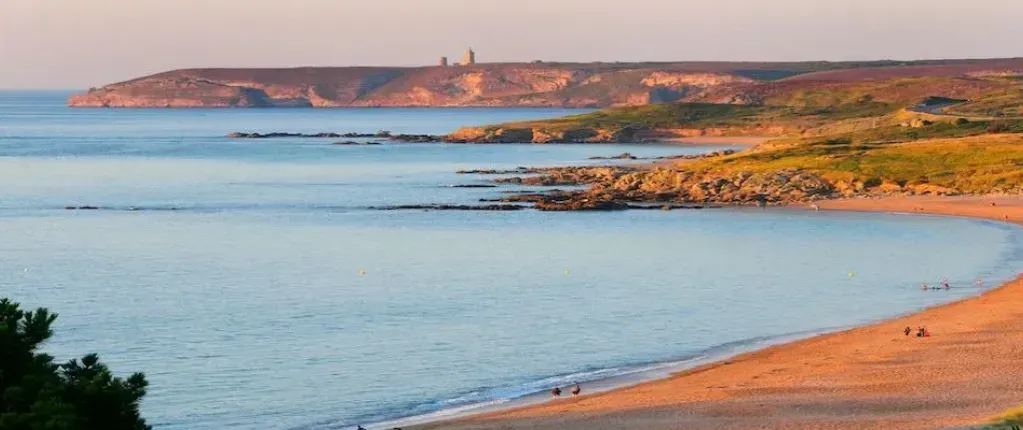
{"x": 75, "y": 44}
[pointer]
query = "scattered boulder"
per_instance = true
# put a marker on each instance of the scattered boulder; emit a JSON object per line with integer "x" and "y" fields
{"x": 414, "y": 138}
{"x": 405, "y": 138}
{"x": 352, "y": 142}
{"x": 517, "y": 170}
{"x": 622, "y": 156}
{"x": 580, "y": 204}
{"x": 560, "y": 176}
{"x": 243, "y": 135}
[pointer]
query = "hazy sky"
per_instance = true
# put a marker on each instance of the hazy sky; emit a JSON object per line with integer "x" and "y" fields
{"x": 80, "y": 43}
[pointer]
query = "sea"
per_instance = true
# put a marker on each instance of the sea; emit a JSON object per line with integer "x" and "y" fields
{"x": 257, "y": 287}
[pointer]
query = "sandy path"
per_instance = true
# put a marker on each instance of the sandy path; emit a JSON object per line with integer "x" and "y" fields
{"x": 870, "y": 377}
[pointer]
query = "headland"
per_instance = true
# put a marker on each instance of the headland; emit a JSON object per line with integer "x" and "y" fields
{"x": 474, "y": 84}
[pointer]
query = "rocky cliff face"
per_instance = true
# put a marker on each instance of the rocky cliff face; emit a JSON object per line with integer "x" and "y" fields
{"x": 593, "y": 85}
{"x": 497, "y": 85}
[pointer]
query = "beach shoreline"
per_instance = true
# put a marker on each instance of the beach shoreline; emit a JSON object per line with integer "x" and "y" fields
{"x": 863, "y": 377}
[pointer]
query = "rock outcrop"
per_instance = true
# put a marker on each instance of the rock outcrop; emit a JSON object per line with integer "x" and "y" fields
{"x": 403, "y": 138}
{"x": 614, "y": 188}
{"x": 541, "y": 135}
{"x": 445, "y": 207}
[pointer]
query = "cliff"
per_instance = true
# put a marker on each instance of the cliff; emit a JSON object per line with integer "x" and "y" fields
{"x": 495, "y": 85}
{"x": 804, "y": 105}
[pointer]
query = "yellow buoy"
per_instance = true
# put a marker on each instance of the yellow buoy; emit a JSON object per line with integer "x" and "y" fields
{"x": 852, "y": 274}
{"x": 362, "y": 272}
{"x": 567, "y": 272}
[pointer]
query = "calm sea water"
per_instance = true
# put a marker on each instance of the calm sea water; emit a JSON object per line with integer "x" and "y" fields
{"x": 252, "y": 285}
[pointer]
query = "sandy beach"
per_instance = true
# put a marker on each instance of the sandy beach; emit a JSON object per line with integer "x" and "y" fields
{"x": 870, "y": 377}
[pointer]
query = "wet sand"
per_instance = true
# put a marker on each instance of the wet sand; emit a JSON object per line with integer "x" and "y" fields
{"x": 870, "y": 377}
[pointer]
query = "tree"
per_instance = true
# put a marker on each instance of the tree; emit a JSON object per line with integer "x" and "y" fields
{"x": 36, "y": 394}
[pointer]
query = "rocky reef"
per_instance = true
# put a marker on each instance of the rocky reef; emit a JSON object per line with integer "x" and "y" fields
{"x": 618, "y": 188}
{"x": 446, "y": 207}
{"x": 542, "y": 135}
{"x": 403, "y": 138}
{"x": 660, "y": 185}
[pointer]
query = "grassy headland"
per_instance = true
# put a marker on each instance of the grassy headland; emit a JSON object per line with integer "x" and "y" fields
{"x": 535, "y": 84}
{"x": 916, "y": 135}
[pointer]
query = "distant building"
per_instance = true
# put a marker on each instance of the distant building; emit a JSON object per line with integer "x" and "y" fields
{"x": 470, "y": 57}
{"x": 443, "y": 61}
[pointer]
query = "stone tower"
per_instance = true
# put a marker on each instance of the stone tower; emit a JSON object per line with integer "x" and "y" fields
{"x": 470, "y": 57}
{"x": 443, "y": 62}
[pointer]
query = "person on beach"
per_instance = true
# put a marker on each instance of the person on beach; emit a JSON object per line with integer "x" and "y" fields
{"x": 908, "y": 331}
{"x": 556, "y": 392}
{"x": 923, "y": 287}
{"x": 576, "y": 390}
{"x": 920, "y": 332}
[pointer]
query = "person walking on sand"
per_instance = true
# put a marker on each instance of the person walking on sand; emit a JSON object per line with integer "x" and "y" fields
{"x": 576, "y": 390}
{"x": 556, "y": 392}
{"x": 908, "y": 330}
